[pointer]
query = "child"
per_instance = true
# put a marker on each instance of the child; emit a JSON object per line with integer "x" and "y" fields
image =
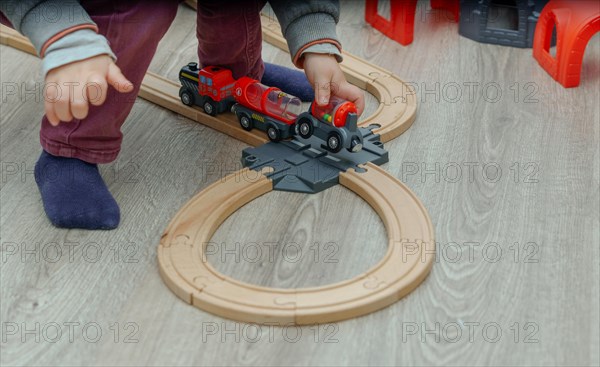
{"x": 94, "y": 49}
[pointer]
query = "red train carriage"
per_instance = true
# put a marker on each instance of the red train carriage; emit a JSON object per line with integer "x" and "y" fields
{"x": 266, "y": 108}
{"x": 334, "y": 123}
{"x": 210, "y": 87}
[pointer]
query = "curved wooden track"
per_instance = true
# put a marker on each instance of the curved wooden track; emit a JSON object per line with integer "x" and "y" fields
{"x": 397, "y": 100}
{"x": 185, "y": 269}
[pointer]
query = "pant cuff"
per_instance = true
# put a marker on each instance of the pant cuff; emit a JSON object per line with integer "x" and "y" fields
{"x": 86, "y": 155}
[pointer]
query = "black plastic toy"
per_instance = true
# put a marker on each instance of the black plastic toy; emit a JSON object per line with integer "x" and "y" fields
{"x": 501, "y": 22}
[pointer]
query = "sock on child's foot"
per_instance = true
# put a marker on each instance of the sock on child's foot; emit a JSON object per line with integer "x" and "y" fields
{"x": 74, "y": 194}
{"x": 290, "y": 81}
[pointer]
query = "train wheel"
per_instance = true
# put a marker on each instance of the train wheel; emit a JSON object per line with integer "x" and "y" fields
{"x": 305, "y": 128}
{"x": 187, "y": 98}
{"x": 273, "y": 133}
{"x": 334, "y": 142}
{"x": 355, "y": 146}
{"x": 245, "y": 122}
{"x": 210, "y": 108}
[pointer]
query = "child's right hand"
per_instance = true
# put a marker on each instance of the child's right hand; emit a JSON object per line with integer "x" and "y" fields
{"x": 80, "y": 83}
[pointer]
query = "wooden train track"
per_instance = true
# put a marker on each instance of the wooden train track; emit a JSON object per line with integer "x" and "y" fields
{"x": 397, "y": 100}
{"x": 181, "y": 252}
{"x": 187, "y": 272}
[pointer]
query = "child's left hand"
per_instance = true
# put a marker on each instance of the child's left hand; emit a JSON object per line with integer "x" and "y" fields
{"x": 324, "y": 73}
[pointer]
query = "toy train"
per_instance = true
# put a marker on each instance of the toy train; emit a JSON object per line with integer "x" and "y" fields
{"x": 269, "y": 109}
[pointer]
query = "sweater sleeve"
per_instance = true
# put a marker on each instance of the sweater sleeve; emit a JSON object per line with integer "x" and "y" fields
{"x": 60, "y": 30}
{"x": 305, "y": 24}
{"x": 75, "y": 46}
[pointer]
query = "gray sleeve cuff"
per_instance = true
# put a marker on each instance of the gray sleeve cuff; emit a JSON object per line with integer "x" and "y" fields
{"x": 308, "y": 29}
{"x": 46, "y": 19}
{"x": 324, "y": 48}
{"x": 76, "y": 46}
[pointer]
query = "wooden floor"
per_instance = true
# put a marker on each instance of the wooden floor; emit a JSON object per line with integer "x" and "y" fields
{"x": 505, "y": 160}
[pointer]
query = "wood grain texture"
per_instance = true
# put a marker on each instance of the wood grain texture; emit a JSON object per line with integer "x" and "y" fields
{"x": 166, "y": 159}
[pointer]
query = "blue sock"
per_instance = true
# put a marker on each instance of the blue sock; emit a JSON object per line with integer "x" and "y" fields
{"x": 290, "y": 81}
{"x": 74, "y": 194}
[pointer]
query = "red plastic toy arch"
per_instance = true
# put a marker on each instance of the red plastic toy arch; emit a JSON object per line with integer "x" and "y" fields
{"x": 576, "y": 22}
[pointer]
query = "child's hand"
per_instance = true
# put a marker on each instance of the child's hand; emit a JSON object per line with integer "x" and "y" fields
{"x": 324, "y": 73}
{"x": 80, "y": 83}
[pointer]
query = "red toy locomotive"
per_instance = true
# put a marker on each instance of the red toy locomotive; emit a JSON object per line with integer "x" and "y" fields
{"x": 210, "y": 87}
{"x": 269, "y": 109}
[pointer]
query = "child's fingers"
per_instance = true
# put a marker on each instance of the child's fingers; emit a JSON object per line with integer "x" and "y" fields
{"x": 360, "y": 102}
{"x": 353, "y": 94}
{"x": 79, "y": 104}
{"x": 50, "y": 97}
{"x": 96, "y": 89}
{"x": 50, "y": 114}
{"x": 118, "y": 81}
{"x": 322, "y": 91}
{"x": 62, "y": 106}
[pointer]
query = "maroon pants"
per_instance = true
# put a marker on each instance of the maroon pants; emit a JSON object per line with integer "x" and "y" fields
{"x": 228, "y": 35}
